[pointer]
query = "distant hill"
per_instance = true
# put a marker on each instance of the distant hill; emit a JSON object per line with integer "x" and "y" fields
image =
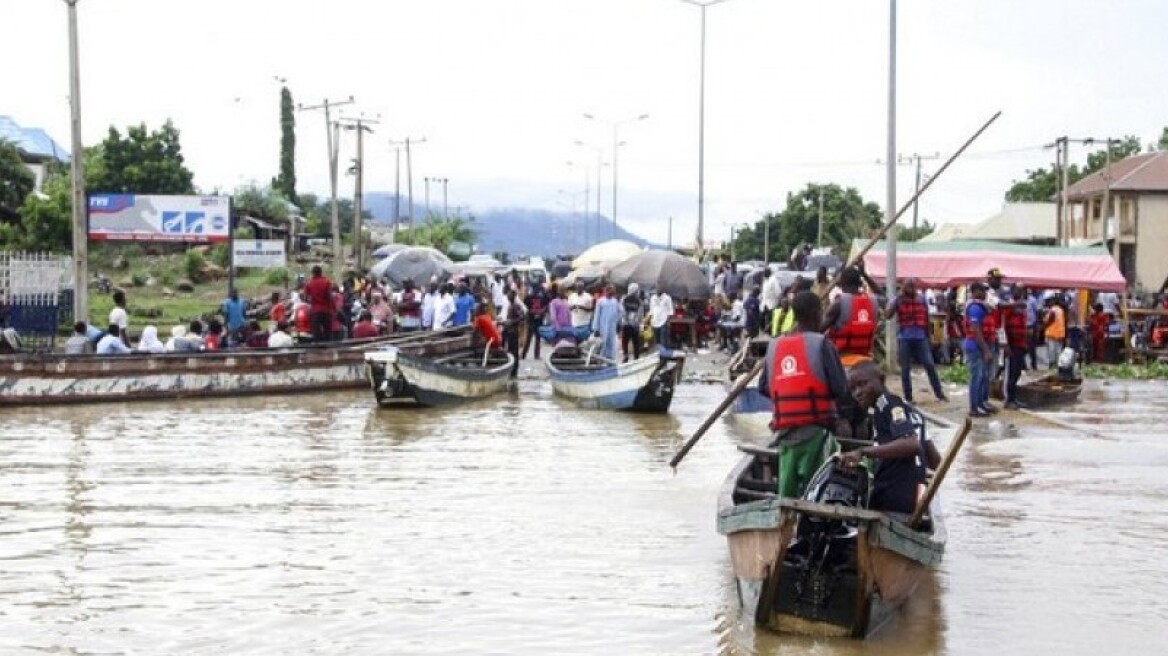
{"x": 519, "y": 230}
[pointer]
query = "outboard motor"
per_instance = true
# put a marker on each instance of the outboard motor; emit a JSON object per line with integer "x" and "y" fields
{"x": 822, "y": 559}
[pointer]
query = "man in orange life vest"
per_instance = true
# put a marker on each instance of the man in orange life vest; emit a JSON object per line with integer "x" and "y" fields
{"x": 912, "y": 340}
{"x": 850, "y": 322}
{"x": 803, "y": 376}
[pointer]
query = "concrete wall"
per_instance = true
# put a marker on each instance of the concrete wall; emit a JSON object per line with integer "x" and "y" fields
{"x": 1152, "y": 242}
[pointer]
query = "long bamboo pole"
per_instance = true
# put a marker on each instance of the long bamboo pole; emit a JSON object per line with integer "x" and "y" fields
{"x": 745, "y": 378}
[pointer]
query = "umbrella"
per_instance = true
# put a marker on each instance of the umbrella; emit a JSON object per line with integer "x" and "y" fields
{"x": 664, "y": 271}
{"x": 387, "y": 250}
{"x": 418, "y": 263}
{"x": 587, "y": 275}
{"x": 608, "y": 253}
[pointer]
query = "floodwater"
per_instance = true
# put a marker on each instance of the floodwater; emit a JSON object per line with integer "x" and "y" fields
{"x": 318, "y": 524}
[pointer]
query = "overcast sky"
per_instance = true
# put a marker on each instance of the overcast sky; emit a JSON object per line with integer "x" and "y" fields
{"x": 796, "y": 92}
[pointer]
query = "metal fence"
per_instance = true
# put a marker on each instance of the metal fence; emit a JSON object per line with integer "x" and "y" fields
{"x": 36, "y": 295}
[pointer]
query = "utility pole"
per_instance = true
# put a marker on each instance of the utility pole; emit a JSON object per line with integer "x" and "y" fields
{"x": 890, "y": 281}
{"x": 396, "y": 190}
{"x": 427, "y": 183}
{"x": 77, "y": 173}
{"x": 361, "y": 126}
{"x": 409, "y": 176}
{"x": 669, "y": 238}
{"x": 333, "y": 148}
{"x": 445, "y": 204}
{"x": 911, "y": 159}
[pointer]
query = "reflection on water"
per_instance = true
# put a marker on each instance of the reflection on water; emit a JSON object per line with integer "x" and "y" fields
{"x": 319, "y": 524}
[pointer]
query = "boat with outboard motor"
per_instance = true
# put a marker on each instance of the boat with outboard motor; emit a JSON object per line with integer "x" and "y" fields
{"x": 591, "y": 381}
{"x": 822, "y": 565}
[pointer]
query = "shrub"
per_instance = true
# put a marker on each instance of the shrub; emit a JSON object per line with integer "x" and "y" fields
{"x": 193, "y": 265}
{"x": 277, "y": 276}
{"x": 219, "y": 255}
{"x": 138, "y": 279}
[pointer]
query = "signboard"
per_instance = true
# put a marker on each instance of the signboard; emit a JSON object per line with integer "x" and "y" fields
{"x": 260, "y": 254}
{"x": 126, "y": 217}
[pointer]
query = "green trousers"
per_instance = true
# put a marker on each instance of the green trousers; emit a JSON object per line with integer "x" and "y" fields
{"x": 801, "y": 453}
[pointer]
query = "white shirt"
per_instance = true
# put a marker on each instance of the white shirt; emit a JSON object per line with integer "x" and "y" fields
{"x": 279, "y": 339}
{"x": 443, "y": 311}
{"x": 119, "y": 318}
{"x": 737, "y": 311}
{"x": 581, "y": 317}
{"x": 429, "y": 300}
{"x": 111, "y": 345}
{"x": 660, "y": 309}
{"x": 498, "y": 295}
{"x": 501, "y": 307}
{"x": 772, "y": 293}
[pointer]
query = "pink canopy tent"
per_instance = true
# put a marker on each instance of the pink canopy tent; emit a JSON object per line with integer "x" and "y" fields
{"x": 943, "y": 264}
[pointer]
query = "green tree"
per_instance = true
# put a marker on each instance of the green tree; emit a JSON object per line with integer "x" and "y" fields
{"x": 441, "y": 232}
{"x": 907, "y": 233}
{"x": 16, "y": 180}
{"x": 846, "y": 216}
{"x": 142, "y": 162}
{"x": 286, "y": 181}
{"x": 1041, "y": 185}
{"x": 46, "y": 219}
{"x": 265, "y": 203}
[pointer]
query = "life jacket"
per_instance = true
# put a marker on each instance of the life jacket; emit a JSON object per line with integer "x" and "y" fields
{"x": 989, "y": 325}
{"x": 410, "y": 297}
{"x": 1015, "y": 324}
{"x": 911, "y": 312}
{"x": 798, "y": 383}
{"x": 303, "y": 318}
{"x": 1058, "y": 328}
{"x": 856, "y": 328}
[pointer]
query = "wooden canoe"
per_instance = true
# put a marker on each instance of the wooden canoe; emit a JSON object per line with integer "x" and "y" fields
{"x": 819, "y": 569}
{"x": 644, "y": 385}
{"x": 1050, "y": 390}
{"x": 401, "y": 378}
{"x": 38, "y": 379}
{"x": 750, "y": 406}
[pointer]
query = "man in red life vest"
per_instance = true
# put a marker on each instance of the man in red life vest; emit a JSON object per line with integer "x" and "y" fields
{"x": 912, "y": 338}
{"x": 981, "y": 331}
{"x": 850, "y": 322}
{"x": 803, "y": 376}
{"x": 1013, "y": 316}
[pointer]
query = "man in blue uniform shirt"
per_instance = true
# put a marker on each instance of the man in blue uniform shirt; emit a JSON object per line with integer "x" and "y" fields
{"x": 902, "y": 447}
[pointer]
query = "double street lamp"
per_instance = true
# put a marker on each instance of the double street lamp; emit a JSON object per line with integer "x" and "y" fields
{"x": 616, "y": 144}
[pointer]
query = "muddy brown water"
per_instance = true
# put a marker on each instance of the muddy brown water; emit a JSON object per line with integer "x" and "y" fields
{"x": 317, "y": 524}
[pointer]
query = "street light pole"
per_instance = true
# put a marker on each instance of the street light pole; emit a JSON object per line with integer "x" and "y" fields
{"x": 616, "y": 144}
{"x": 77, "y": 173}
{"x": 890, "y": 172}
{"x": 702, "y": 124}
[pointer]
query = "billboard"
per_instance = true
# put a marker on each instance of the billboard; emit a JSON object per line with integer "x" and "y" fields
{"x": 259, "y": 254}
{"x": 126, "y": 217}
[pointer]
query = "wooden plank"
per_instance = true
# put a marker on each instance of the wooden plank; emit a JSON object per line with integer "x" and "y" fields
{"x": 832, "y": 511}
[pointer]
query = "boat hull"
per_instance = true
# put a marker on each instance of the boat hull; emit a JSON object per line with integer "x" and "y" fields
{"x": 399, "y": 379}
{"x": 1050, "y": 391}
{"x": 41, "y": 379}
{"x": 883, "y": 561}
{"x": 644, "y": 385}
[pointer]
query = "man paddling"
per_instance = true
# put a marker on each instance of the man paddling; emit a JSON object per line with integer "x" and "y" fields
{"x": 902, "y": 445}
{"x": 805, "y": 380}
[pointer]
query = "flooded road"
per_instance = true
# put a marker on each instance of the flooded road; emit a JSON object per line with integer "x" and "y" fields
{"x": 319, "y": 524}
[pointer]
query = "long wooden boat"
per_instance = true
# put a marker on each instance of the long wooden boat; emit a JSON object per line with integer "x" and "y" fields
{"x": 643, "y": 385}
{"x": 825, "y": 567}
{"x": 401, "y": 378}
{"x": 39, "y": 379}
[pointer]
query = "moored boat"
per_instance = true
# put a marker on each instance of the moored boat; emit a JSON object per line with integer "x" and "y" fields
{"x": 53, "y": 378}
{"x": 750, "y": 406}
{"x": 1050, "y": 390}
{"x": 823, "y": 565}
{"x": 401, "y": 378}
{"x": 643, "y": 385}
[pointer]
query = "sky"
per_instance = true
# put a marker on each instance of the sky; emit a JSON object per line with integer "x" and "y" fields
{"x": 796, "y": 92}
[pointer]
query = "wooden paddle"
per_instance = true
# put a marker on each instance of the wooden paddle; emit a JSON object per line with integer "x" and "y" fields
{"x": 939, "y": 475}
{"x": 486, "y": 354}
{"x": 743, "y": 380}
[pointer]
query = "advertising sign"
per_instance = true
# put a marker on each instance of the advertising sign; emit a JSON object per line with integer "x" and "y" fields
{"x": 126, "y": 217}
{"x": 259, "y": 254}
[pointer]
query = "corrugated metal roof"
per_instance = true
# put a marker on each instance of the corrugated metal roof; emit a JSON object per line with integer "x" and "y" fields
{"x": 33, "y": 142}
{"x": 1018, "y": 222}
{"x": 1147, "y": 173}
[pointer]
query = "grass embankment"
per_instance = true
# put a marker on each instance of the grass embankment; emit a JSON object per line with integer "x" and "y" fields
{"x": 153, "y": 280}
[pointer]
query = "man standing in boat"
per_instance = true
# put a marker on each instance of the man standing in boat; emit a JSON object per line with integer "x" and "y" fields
{"x": 318, "y": 291}
{"x": 850, "y": 322}
{"x": 902, "y": 446}
{"x": 803, "y": 376}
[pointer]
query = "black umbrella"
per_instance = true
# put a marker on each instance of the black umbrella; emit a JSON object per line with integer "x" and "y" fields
{"x": 663, "y": 271}
{"x": 417, "y": 263}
